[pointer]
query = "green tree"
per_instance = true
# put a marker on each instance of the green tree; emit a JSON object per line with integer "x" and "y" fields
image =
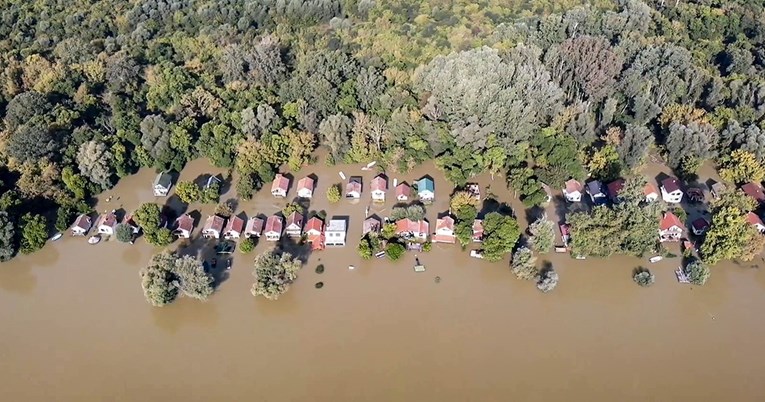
{"x": 388, "y": 231}
{"x": 224, "y": 209}
{"x": 730, "y": 236}
{"x": 542, "y": 234}
{"x": 159, "y": 238}
{"x": 698, "y": 273}
{"x": 364, "y": 248}
{"x": 464, "y": 232}
{"x": 500, "y": 235}
{"x": 523, "y": 264}
{"x": 547, "y": 280}
{"x": 124, "y": 233}
{"x": 741, "y": 167}
{"x": 333, "y": 193}
{"x": 274, "y": 274}
{"x": 7, "y": 235}
{"x": 167, "y": 276}
{"x": 34, "y": 233}
{"x": 211, "y": 192}
{"x": 148, "y": 216}
{"x": 643, "y": 277}
{"x": 394, "y": 251}
{"x": 188, "y": 192}
{"x": 191, "y": 278}
{"x": 245, "y": 186}
{"x": 292, "y": 207}
{"x": 247, "y": 245}
{"x": 464, "y": 206}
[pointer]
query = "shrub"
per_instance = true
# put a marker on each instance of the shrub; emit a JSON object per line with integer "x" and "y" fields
{"x": 274, "y": 274}
{"x": 548, "y": 280}
{"x": 698, "y": 273}
{"x": 427, "y": 246}
{"x": 333, "y": 194}
{"x": 224, "y": 209}
{"x": 246, "y": 245}
{"x": 188, "y": 192}
{"x": 124, "y": 233}
{"x": 644, "y": 277}
{"x": 394, "y": 251}
{"x": 523, "y": 264}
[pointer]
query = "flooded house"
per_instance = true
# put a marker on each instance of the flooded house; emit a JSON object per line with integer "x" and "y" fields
{"x": 573, "y": 191}
{"x": 371, "y": 225}
{"x": 379, "y": 186}
{"x": 234, "y": 228}
{"x": 717, "y": 189}
{"x": 754, "y": 220}
{"x": 280, "y": 185}
{"x": 614, "y": 188}
{"x": 273, "y": 228}
{"x": 409, "y": 229}
{"x": 478, "y": 230}
{"x": 474, "y": 190}
{"x": 695, "y": 194}
{"x": 314, "y": 231}
{"x": 445, "y": 230}
{"x": 650, "y": 192}
{"x": 353, "y": 188}
{"x": 305, "y": 187}
{"x": 213, "y": 227}
{"x": 184, "y": 225}
{"x": 754, "y": 191}
{"x": 254, "y": 227}
{"x": 162, "y": 184}
{"x": 335, "y": 233}
{"x": 670, "y": 191}
{"x": 81, "y": 225}
{"x": 596, "y": 192}
{"x": 403, "y": 192}
{"x": 565, "y": 234}
{"x": 670, "y": 228}
{"x": 135, "y": 227}
{"x": 294, "y": 226}
{"x": 106, "y": 223}
{"x": 699, "y": 226}
{"x": 426, "y": 189}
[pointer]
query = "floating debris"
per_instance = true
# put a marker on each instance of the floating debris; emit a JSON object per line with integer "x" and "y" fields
{"x": 319, "y": 285}
{"x": 437, "y": 279}
{"x": 320, "y": 269}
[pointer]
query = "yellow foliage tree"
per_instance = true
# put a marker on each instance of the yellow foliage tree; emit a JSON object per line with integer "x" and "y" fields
{"x": 741, "y": 167}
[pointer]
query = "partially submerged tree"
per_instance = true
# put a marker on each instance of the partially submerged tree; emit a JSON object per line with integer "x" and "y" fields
{"x": 547, "y": 280}
{"x": 7, "y": 235}
{"x": 542, "y": 234}
{"x": 96, "y": 162}
{"x": 188, "y": 191}
{"x": 501, "y": 232}
{"x": 34, "y": 233}
{"x": 333, "y": 194}
{"x": 643, "y": 277}
{"x": 124, "y": 233}
{"x": 523, "y": 264}
{"x": 697, "y": 272}
{"x": 169, "y": 275}
{"x": 730, "y": 236}
{"x": 274, "y": 274}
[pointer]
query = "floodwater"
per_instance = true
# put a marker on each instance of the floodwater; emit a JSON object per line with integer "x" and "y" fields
{"x": 75, "y": 326}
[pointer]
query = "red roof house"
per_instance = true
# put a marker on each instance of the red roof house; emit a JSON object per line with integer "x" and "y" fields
{"x": 409, "y": 228}
{"x": 254, "y": 227}
{"x": 273, "y": 229}
{"x": 614, "y": 188}
{"x": 314, "y": 230}
{"x": 280, "y": 186}
{"x": 305, "y": 187}
{"x": 755, "y": 221}
{"x": 379, "y": 187}
{"x": 755, "y": 191}
{"x": 478, "y": 230}
{"x": 573, "y": 191}
{"x": 650, "y": 192}
{"x": 403, "y": 191}
{"x": 670, "y": 228}
{"x": 234, "y": 228}
{"x": 445, "y": 230}
{"x": 294, "y": 225}
{"x": 699, "y": 226}
{"x": 81, "y": 225}
{"x": 183, "y": 226}
{"x": 213, "y": 227}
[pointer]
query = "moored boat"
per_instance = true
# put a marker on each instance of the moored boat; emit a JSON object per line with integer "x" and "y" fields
{"x": 94, "y": 239}
{"x": 56, "y": 236}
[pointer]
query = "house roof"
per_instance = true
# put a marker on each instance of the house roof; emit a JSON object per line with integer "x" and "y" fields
{"x": 305, "y": 183}
{"x": 108, "y": 219}
{"x": 650, "y": 189}
{"x": 426, "y": 183}
{"x": 615, "y": 187}
{"x": 447, "y": 222}
{"x": 295, "y": 218}
{"x": 407, "y": 225}
{"x": 314, "y": 224}
{"x": 371, "y": 224}
{"x": 280, "y": 183}
{"x": 214, "y": 222}
{"x": 185, "y": 222}
{"x": 379, "y": 183}
{"x": 274, "y": 224}
{"x": 83, "y": 222}
{"x": 718, "y": 187}
{"x": 595, "y": 187}
{"x": 565, "y": 230}
{"x": 336, "y": 225}
{"x": 755, "y": 191}
{"x": 164, "y": 179}
{"x": 669, "y": 220}
{"x": 700, "y": 224}
{"x": 477, "y": 226}
{"x": 130, "y": 221}
{"x": 254, "y": 224}
{"x": 753, "y": 219}
{"x": 573, "y": 186}
{"x": 235, "y": 224}
{"x": 403, "y": 189}
{"x": 670, "y": 184}
{"x": 353, "y": 185}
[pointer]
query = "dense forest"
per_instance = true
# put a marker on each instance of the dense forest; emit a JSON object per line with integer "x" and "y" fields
{"x": 538, "y": 90}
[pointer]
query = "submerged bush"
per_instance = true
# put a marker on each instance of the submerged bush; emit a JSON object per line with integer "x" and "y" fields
{"x": 644, "y": 277}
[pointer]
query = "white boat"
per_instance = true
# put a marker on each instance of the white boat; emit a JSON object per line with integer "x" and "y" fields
{"x": 94, "y": 239}
{"x": 351, "y": 267}
{"x": 655, "y": 259}
{"x": 56, "y": 236}
{"x": 342, "y": 175}
{"x": 475, "y": 254}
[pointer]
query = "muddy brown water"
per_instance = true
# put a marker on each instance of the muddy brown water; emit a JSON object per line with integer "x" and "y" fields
{"x": 75, "y": 326}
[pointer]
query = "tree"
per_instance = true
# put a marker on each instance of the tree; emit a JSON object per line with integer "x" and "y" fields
{"x": 188, "y": 191}
{"x": 96, "y": 162}
{"x": 394, "y": 251}
{"x": 148, "y": 216}
{"x": 585, "y": 67}
{"x": 157, "y": 280}
{"x": 7, "y": 235}
{"x": 500, "y": 235}
{"x": 415, "y": 212}
{"x": 211, "y": 192}
{"x": 336, "y": 133}
{"x": 730, "y": 236}
{"x": 523, "y": 264}
{"x": 643, "y": 277}
{"x": 542, "y": 234}
{"x": 191, "y": 278}
{"x": 464, "y": 232}
{"x": 695, "y": 139}
{"x": 160, "y": 237}
{"x": 274, "y": 274}
{"x": 247, "y": 245}
{"x": 333, "y": 194}
{"x": 741, "y": 167}
{"x": 365, "y": 248}
{"x": 124, "y": 233}
{"x": 633, "y": 146}
{"x": 155, "y": 140}
{"x": 292, "y": 207}
{"x": 388, "y": 231}
{"x": 464, "y": 206}
{"x": 245, "y": 186}
{"x": 224, "y": 209}
{"x": 547, "y": 280}
{"x": 34, "y": 233}
{"x": 697, "y": 272}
